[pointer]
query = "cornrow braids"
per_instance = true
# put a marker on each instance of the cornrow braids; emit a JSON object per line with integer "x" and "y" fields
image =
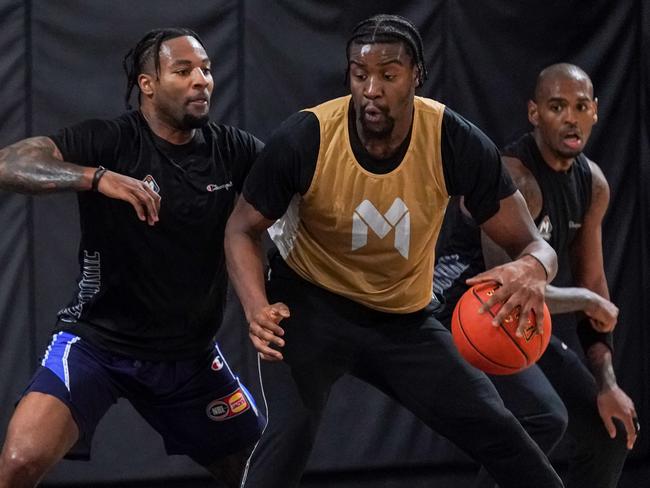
{"x": 147, "y": 49}
{"x": 390, "y": 28}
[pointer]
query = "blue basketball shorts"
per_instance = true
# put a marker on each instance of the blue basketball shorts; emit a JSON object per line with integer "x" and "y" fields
{"x": 198, "y": 406}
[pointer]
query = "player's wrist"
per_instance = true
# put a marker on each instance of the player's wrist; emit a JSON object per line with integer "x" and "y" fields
{"x": 97, "y": 176}
{"x": 538, "y": 264}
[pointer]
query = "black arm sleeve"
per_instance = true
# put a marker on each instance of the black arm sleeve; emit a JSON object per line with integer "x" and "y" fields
{"x": 472, "y": 167}
{"x": 89, "y": 143}
{"x": 588, "y": 336}
{"x": 285, "y": 167}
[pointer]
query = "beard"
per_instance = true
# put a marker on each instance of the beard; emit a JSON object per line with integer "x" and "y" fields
{"x": 190, "y": 121}
{"x": 377, "y": 131}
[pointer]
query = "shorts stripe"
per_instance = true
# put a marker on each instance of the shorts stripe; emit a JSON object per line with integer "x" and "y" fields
{"x": 223, "y": 359}
{"x": 57, "y": 353}
{"x": 65, "y": 362}
{"x": 268, "y": 414}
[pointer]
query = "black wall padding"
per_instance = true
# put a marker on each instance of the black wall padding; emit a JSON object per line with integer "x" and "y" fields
{"x": 60, "y": 62}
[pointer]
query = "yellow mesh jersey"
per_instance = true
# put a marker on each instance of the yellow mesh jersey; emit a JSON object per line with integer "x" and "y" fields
{"x": 364, "y": 236}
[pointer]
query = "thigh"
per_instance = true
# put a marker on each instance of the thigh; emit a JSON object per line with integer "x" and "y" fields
{"x": 40, "y": 432}
{"x": 74, "y": 372}
{"x": 529, "y": 393}
{"x": 573, "y": 381}
{"x": 317, "y": 352}
{"x": 199, "y": 407}
{"x": 419, "y": 366}
{"x": 424, "y": 372}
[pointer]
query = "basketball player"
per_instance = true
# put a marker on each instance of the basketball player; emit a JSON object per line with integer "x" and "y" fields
{"x": 378, "y": 163}
{"x": 152, "y": 281}
{"x": 567, "y": 195}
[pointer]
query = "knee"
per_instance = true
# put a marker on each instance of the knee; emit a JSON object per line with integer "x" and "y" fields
{"x": 554, "y": 422}
{"x": 20, "y": 467}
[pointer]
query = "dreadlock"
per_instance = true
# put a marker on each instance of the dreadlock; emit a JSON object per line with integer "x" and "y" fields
{"x": 389, "y": 29}
{"x": 138, "y": 59}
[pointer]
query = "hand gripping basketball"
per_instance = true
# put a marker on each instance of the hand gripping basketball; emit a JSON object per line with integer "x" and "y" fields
{"x": 496, "y": 350}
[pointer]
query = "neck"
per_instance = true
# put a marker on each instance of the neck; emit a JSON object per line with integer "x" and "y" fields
{"x": 163, "y": 129}
{"x": 554, "y": 160}
{"x": 385, "y": 146}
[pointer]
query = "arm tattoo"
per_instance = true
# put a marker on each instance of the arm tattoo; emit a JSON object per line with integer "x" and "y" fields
{"x": 35, "y": 165}
{"x": 599, "y": 358}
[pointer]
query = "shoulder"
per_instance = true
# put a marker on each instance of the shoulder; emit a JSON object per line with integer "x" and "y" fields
{"x": 300, "y": 133}
{"x": 232, "y": 134}
{"x": 299, "y": 124}
{"x": 454, "y": 121}
{"x": 525, "y": 182}
{"x": 599, "y": 185}
{"x": 463, "y": 135}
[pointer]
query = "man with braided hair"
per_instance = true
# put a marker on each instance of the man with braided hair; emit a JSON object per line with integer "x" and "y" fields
{"x": 152, "y": 282}
{"x": 357, "y": 188}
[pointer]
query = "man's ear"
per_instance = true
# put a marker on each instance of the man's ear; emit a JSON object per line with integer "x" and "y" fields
{"x": 145, "y": 82}
{"x": 533, "y": 114}
{"x": 417, "y": 77}
{"x": 595, "y": 110}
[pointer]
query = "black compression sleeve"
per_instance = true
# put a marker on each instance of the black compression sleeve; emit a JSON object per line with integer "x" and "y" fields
{"x": 589, "y": 336}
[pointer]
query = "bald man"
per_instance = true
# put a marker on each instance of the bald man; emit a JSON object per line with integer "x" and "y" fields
{"x": 567, "y": 195}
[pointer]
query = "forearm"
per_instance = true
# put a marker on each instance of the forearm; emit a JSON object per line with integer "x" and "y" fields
{"x": 544, "y": 254}
{"x": 246, "y": 269}
{"x": 565, "y": 300}
{"x": 35, "y": 165}
{"x": 599, "y": 359}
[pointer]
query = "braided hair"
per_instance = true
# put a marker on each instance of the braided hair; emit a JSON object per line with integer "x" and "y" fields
{"x": 384, "y": 28}
{"x": 138, "y": 59}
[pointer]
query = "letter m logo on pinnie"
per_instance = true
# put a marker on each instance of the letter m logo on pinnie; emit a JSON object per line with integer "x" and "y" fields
{"x": 367, "y": 216}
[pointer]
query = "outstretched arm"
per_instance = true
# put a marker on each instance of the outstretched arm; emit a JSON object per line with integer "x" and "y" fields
{"x": 35, "y": 165}
{"x": 243, "y": 245}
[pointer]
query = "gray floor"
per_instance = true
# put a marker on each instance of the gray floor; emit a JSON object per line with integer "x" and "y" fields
{"x": 636, "y": 475}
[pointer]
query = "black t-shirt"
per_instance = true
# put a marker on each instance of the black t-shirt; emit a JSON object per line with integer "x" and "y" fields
{"x": 154, "y": 292}
{"x": 471, "y": 165}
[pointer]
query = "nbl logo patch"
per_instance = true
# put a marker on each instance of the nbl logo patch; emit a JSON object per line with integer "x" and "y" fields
{"x": 151, "y": 183}
{"x": 228, "y": 407}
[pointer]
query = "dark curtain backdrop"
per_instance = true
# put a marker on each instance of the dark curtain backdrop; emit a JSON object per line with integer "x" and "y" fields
{"x": 60, "y": 62}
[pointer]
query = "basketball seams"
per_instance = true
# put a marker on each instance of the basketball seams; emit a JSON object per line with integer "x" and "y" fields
{"x": 509, "y": 369}
{"x": 504, "y": 329}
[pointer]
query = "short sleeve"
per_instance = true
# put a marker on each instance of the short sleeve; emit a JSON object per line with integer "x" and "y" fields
{"x": 245, "y": 148}
{"x": 472, "y": 167}
{"x": 89, "y": 143}
{"x": 285, "y": 167}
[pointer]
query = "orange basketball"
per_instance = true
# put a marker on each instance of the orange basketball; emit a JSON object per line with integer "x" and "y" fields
{"x": 496, "y": 350}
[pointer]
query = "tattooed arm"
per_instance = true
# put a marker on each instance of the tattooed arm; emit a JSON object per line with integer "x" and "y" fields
{"x": 35, "y": 166}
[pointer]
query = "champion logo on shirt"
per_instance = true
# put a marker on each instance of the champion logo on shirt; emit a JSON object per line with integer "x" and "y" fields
{"x": 151, "y": 183}
{"x": 574, "y": 225}
{"x": 212, "y": 187}
{"x": 217, "y": 363}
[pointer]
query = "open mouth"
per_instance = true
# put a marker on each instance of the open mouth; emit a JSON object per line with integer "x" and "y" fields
{"x": 373, "y": 114}
{"x": 572, "y": 140}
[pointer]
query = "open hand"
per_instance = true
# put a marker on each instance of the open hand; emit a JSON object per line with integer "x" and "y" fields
{"x": 144, "y": 200}
{"x": 523, "y": 283}
{"x": 264, "y": 330}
